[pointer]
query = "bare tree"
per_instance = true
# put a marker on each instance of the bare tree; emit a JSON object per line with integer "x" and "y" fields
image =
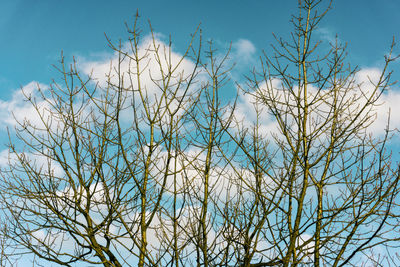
{"x": 335, "y": 184}
{"x": 149, "y": 166}
{"x": 113, "y": 145}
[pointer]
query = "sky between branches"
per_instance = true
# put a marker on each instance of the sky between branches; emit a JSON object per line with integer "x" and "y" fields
{"x": 34, "y": 33}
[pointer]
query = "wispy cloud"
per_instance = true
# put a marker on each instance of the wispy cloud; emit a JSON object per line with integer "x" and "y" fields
{"x": 327, "y": 34}
{"x": 243, "y": 51}
{"x": 19, "y": 109}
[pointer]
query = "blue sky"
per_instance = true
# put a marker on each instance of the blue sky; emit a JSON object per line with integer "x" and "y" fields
{"x": 33, "y": 32}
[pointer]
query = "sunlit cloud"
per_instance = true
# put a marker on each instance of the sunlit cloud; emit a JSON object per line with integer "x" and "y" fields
{"x": 243, "y": 51}
{"x": 19, "y": 109}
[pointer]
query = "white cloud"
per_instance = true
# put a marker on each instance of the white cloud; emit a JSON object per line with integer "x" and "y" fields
{"x": 20, "y": 109}
{"x": 327, "y": 35}
{"x": 352, "y": 100}
{"x": 387, "y": 104}
{"x": 390, "y": 104}
{"x": 156, "y": 61}
{"x": 161, "y": 83}
{"x": 38, "y": 162}
{"x": 250, "y": 111}
{"x": 186, "y": 176}
{"x": 243, "y": 51}
{"x": 6, "y": 157}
